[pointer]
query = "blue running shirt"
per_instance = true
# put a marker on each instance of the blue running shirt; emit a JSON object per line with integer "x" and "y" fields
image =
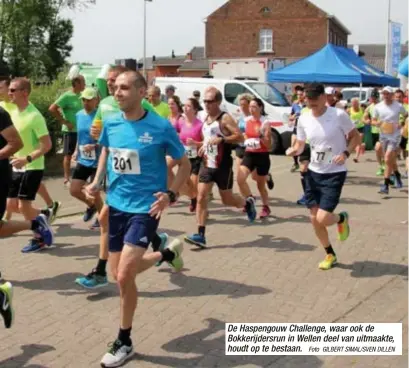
{"x": 84, "y": 122}
{"x": 136, "y": 164}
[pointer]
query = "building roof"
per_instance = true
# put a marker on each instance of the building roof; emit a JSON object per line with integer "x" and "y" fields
{"x": 339, "y": 23}
{"x": 202, "y": 64}
{"x": 377, "y": 50}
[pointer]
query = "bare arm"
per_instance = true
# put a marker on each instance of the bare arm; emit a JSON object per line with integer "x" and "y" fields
{"x": 266, "y": 137}
{"x": 55, "y": 111}
{"x": 45, "y": 146}
{"x": 354, "y": 140}
{"x": 229, "y": 124}
{"x": 101, "y": 169}
{"x": 182, "y": 174}
{"x": 14, "y": 142}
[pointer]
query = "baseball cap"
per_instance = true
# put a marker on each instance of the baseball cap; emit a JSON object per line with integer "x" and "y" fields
{"x": 196, "y": 93}
{"x": 314, "y": 90}
{"x": 330, "y": 91}
{"x": 387, "y": 89}
{"x": 170, "y": 88}
{"x": 89, "y": 93}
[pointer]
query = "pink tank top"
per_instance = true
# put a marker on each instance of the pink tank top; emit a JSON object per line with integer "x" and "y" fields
{"x": 193, "y": 131}
{"x": 176, "y": 122}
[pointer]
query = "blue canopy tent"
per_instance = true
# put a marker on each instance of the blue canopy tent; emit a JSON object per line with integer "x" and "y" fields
{"x": 403, "y": 67}
{"x": 332, "y": 65}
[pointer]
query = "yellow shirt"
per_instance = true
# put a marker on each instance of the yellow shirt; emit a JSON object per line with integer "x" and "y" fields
{"x": 162, "y": 109}
{"x": 8, "y": 106}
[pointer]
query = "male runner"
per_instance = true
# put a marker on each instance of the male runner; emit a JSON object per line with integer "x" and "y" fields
{"x": 135, "y": 143}
{"x": 28, "y": 162}
{"x": 296, "y": 109}
{"x": 220, "y": 131}
{"x": 108, "y": 106}
{"x": 10, "y": 143}
{"x": 52, "y": 206}
{"x": 65, "y": 110}
{"x": 87, "y": 153}
{"x": 386, "y": 116}
{"x": 161, "y": 108}
{"x": 325, "y": 128}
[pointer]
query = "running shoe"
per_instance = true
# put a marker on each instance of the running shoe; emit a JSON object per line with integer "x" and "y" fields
{"x": 329, "y": 261}
{"x": 164, "y": 237}
{"x": 398, "y": 182}
{"x": 380, "y": 171}
{"x": 265, "y": 212}
{"x": 89, "y": 213}
{"x": 302, "y": 201}
{"x": 176, "y": 247}
{"x": 117, "y": 354}
{"x": 196, "y": 239}
{"x": 95, "y": 225}
{"x": 270, "y": 182}
{"x": 35, "y": 245}
{"x": 44, "y": 230}
{"x": 92, "y": 280}
{"x": 54, "y": 211}
{"x": 251, "y": 209}
{"x": 6, "y": 304}
{"x": 294, "y": 168}
{"x": 343, "y": 228}
{"x": 384, "y": 189}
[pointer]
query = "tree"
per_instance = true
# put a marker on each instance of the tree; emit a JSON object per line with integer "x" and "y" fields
{"x": 34, "y": 39}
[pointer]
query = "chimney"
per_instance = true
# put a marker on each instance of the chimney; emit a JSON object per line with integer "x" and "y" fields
{"x": 153, "y": 58}
{"x": 173, "y": 54}
{"x": 189, "y": 56}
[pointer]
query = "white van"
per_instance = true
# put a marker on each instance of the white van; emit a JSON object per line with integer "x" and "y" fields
{"x": 276, "y": 105}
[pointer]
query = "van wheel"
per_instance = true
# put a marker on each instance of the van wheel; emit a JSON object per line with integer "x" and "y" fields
{"x": 277, "y": 144}
{"x": 286, "y": 140}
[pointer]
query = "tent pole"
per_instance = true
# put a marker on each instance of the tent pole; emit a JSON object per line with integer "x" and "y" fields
{"x": 360, "y": 92}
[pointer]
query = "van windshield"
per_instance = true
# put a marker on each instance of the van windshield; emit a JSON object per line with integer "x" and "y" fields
{"x": 269, "y": 93}
{"x": 349, "y": 94}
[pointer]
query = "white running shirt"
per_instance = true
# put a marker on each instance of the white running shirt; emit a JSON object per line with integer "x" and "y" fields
{"x": 327, "y": 138}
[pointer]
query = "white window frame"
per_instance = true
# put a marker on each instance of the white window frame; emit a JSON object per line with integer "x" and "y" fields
{"x": 266, "y": 38}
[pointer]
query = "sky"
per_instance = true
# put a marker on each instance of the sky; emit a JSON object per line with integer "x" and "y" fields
{"x": 113, "y": 29}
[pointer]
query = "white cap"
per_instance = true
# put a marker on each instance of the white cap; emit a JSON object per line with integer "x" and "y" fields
{"x": 329, "y": 90}
{"x": 387, "y": 89}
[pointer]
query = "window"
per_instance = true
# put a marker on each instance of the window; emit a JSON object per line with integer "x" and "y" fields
{"x": 265, "y": 10}
{"x": 266, "y": 40}
{"x": 331, "y": 37}
{"x": 232, "y": 91}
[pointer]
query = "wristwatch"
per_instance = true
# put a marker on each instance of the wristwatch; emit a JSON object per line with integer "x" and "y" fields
{"x": 172, "y": 196}
{"x": 29, "y": 159}
{"x": 346, "y": 153}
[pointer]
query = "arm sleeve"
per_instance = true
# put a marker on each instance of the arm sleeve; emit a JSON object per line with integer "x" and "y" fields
{"x": 301, "y": 135}
{"x": 103, "y": 139}
{"x": 40, "y": 127}
{"x": 61, "y": 101}
{"x": 346, "y": 123}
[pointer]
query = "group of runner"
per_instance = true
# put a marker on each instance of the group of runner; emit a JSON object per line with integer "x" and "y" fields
{"x": 149, "y": 153}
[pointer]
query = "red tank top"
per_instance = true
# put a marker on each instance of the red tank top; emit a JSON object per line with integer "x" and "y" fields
{"x": 253, "y": 131}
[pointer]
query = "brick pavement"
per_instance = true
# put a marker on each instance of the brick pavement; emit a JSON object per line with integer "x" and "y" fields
{"x": 265, "y": 272}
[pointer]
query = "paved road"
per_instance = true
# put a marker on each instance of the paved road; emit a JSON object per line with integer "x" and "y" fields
{"x": 266, "y": 272}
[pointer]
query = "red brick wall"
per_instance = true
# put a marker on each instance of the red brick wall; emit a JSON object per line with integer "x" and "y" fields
{"x": 299, "y": 28}
{"x": 166, "y": 71}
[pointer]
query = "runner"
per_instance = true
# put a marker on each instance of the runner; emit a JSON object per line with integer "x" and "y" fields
{"x": 375, "y": 131}
{"x": 220, "y": 131}
{"x": 108, "y": 106}
{"x": 356, "y": 113}
{"x": 87, "y": 154}
{"x": 52, "y": 206}
{"x": 258, "y": 143}
{"x": 134, "y": 143}
{"x": 190, "y": 133}
{"x": 296, "y": 108}
{"x": 161, "y": 108}
{"x": 28, "y": 162}
{"x": 10, "y": 144}
{"x": 65, "y": 110}
{"x": 386, "y": 115}
{"x": 399, "y": 97}
{"x": 325, "y": 128}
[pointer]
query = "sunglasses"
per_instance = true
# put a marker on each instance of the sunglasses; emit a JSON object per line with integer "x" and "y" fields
{"x": 12, "y": 90}
{"x": 209, "y": 101}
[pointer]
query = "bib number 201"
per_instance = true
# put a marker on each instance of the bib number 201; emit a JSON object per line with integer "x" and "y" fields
{"x": 125, "y": 161}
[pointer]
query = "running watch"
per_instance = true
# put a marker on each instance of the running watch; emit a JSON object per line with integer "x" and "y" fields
{"x": 172, "y": 196}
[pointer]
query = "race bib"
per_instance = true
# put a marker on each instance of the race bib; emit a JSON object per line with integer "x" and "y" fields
{"x": 211, "y": 150}
{"x": 87, "y": 155}
{"x": 125, "y": 161}
{"x": 321, "y": 155}
{"x": 253, "y": 143}
{"x": 388, "y": 128}
{"x": 191, "y": 151}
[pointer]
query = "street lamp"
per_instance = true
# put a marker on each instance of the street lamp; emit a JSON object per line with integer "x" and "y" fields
{"x": 144, "y": 37}
{"x": 387, "y": 46}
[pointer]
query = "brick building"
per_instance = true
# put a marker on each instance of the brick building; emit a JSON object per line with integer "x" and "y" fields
{"x": 270, "y": 28}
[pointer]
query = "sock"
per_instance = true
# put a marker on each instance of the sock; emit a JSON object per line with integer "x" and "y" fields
{"x": 387, "y": 181}
{"x": 156, "y": 241}
{"x": 202, "y": 230}
{"x": 34, "y": 225}
{"x": 329, "y": 250}
{"x": 167, "y": 255}
{"x": 46, "y": 212}
{"x": 101, "y": 267}
{"x": 193, "y": 202}
{"x": 303, "y": 174}
{"x": 397, "y": 174}
{"x": 295, "y": 158}
{"x": 341, "y": 218}
{"x": 125, "y": 336}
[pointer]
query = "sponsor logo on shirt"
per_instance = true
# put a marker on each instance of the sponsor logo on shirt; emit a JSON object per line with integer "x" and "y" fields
{"x": 146, "y": 138}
